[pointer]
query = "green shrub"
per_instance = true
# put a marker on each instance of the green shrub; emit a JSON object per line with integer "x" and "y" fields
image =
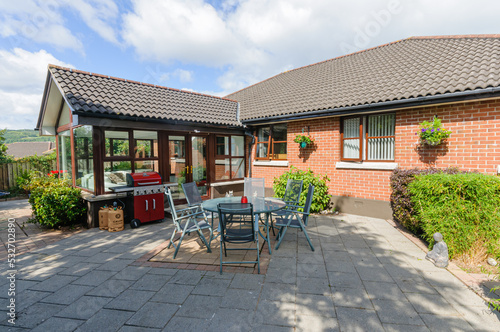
{"x": 402, "y": 207}
{"x": 321, "y": 198}
{"x": 465, "y": 208}
{"x": 55, "y": 202}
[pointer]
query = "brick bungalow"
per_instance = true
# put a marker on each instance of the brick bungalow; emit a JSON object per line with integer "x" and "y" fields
{"x": 362, "y": 109}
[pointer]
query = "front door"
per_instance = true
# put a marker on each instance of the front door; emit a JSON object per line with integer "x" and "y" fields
{"x": 188, "y": 162}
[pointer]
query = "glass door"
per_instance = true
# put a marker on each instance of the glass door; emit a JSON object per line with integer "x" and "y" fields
{"x": 178, "y": 165}
{"x": 198, "y": 167}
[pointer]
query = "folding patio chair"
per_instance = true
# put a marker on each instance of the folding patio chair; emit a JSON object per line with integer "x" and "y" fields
{"x": 192, "y": 193}
{"x": 254, "y": 187}
{"x": 295, "y": 219}
{"x": 291, "y": 198}
{"x": 187, "y": 221}
{"x": 241, "y": 229}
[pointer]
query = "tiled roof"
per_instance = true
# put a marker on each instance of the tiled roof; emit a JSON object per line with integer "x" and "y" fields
{"x": 95, "y": 93}
{"x": 410, "y": 68}
{"x": 25, "y": 149}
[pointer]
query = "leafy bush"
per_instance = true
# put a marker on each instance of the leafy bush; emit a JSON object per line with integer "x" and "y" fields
{"x": 321, "y": 198}
{"x": 465, "y": 208}
{"x": 402, "y": 207}
{"x": 54, "y": 201}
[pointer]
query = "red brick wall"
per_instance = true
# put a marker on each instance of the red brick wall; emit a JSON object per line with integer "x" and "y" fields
{"x": 474, "y": 145}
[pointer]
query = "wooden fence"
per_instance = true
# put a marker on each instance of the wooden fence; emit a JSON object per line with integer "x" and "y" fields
{"x": 10, "y": 172}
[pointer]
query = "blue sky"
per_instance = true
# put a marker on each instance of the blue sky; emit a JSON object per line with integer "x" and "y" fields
{"x": 211, "y": 46}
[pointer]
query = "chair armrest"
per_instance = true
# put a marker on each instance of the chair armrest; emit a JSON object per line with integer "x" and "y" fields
{"x": 191, "y": 208}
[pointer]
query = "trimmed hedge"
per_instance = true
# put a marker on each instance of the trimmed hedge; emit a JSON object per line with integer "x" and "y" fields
{"x": 321, "y": 198}
{"x": 465, "y": 208}
{"x": 54, "y": 201}
{"x": 401, "y": 204}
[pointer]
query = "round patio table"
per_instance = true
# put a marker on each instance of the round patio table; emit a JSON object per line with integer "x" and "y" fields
{"x": 260, "y": 205}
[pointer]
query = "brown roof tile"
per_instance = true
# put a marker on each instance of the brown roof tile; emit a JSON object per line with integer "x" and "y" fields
{"x": 97, "y": 93}
{"x": 406, "y": 69}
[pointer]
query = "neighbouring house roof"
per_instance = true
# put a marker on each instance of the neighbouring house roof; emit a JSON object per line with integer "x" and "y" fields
{"x": 402, "y": 70}
{"x": 89, "y": 93}
{"x": 25, "y": 149}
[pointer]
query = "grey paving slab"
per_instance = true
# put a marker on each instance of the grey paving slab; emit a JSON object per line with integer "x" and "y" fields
{"x": 341, "y": 279}
{"x": 128, "y": 328}
{"x": 200, "y": 306}
{"x": 111, "y": 288}
{"x": 132, "y": 272}
{"x": 94, "y": 278}
{"x": 384, "y": 291}
{"x": 58, "y": 324}
{"x": 233, "y": 320}
{"x": 353, "y": 319}
{"x": 151, "y": 282}
{"x": 130, "y": 300}
{"x": 431, "y": 304}
{"x": 312, "y": 270}
{"x": 36, "y": 314}
{"x": 67, "y": 294}
{"x": 243, "y": 299}
{"x": 84, "y": 308}
{"x": 351, "y": 297}
{"x": 319, "y": 286}
{"x": 173, "y": 293}
{"x": 405, "y": 328}
{"x": 277, "y": 313}
{"x": 178, "y": 323}
{"x": 53, "y": 283}
{"x": 446, "y": 323}
{"x": 278, "y": 292}
{"x": 153, "y": 315}
{"x": 395, "y": 312}
{"x": 272, "y": 328}
{"x": 115, "y": 264}
{"x": 316, "y": 323}
{"x": 29, "y": 297}
{"x": 106, "y": 321}
{"x": 79, "y": 269}
{"x": 315, "y": 305}
{"x": 211, "y": 287}
{"x": 247, "y": 281}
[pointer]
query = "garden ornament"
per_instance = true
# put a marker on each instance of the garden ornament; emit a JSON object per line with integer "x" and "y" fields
{"x": 439, "y": 253}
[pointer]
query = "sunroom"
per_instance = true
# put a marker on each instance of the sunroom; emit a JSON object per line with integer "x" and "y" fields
{"x": 106, "y": 127}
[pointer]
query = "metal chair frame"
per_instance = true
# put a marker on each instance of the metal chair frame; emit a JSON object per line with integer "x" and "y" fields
{"x": 244, "y": 215}
{"x": 294, "y": 218}
{"x": 190, "y": 216}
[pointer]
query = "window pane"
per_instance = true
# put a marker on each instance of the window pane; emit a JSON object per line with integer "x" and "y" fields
{"x": 238, "y": 168}
{"x": 351, "y": 128}
{"x": 222, "y": 143}
{"x": 279, "y": 132}
{"x": 351, "y": 148}
{"x": 263, "y": 134}
{"x": 115, "y": 173}
{"x": 262, "y": 150}
{"x": 84, "y": 167}
{"x": 381, "y": 148}
{"x": 237, "y": 146}
{"x": 222, "y": 169}
{"x": 279, "y": 151}
{"x": 117, "y": 143}
{"x": 65, "y": 154}
{"x": 146, "y": 166}
{"x": 146, "y": 144}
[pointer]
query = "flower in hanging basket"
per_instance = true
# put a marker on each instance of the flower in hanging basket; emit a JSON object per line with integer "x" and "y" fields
{"x": 433, "y": 133}
{"x": 303, "y": 140}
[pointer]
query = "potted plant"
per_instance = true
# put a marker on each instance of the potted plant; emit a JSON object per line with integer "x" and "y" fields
{"x": 303, "y": 140}
{"x": 432, "y": 132}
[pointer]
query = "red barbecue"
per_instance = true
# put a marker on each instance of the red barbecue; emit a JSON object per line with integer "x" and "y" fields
{"x": 148, "y": 192}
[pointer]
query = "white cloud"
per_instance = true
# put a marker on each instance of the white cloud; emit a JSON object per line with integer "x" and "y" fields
{"x": 21, "y": 86}
{"x": 43, "y": 21}
{"x": 255, "y": 39}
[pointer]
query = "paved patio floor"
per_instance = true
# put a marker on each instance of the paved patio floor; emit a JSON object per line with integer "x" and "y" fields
{"x": 363, "y": 276}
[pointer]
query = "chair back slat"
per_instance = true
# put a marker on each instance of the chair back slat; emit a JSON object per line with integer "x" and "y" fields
{"x": 170, "y": 201}
{"x": 293, "y": 190}
{"x": 254, "y": 187}
{"x": 307, "y": 205}
{"x": 192, "y": 193}
{"x": 240, "y": 215}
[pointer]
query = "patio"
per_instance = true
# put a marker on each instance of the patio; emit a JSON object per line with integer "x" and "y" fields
{"x": 364, "y": 276}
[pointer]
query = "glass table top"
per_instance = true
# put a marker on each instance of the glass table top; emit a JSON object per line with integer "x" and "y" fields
{"x": 260, "y": 205}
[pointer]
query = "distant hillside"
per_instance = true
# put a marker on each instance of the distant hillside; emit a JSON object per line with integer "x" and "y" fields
{"x": 25, "y": 135}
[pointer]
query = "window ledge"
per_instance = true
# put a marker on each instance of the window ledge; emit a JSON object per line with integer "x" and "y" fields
{"x": 226, "y": 183}
{"x": 366, "y": 165}
{"x": 282, "y": 163}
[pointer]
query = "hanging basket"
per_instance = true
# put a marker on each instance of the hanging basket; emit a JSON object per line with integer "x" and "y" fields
{"x": 432, "y": 143}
